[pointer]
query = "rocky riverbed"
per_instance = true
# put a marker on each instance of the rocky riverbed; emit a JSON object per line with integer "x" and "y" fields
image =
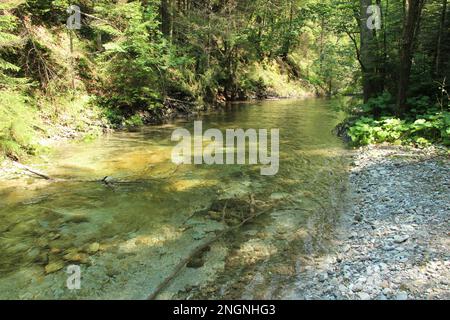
{"x": 394, "y": 240}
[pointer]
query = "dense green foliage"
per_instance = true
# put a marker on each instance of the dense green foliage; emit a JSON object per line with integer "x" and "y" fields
{"x": 427, "y": 128}
{"x": 405, "y": 71}
{"x": 426, "y": 123}
{"x": 132, "y": 62}
{"x": 146, "y": 60}
{"x": 16, "y": 117}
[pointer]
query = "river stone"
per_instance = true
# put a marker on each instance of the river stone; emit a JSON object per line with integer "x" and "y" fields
{"x": 278, "y": 195}
{"x": 402, "y": 296}
{"x": 382, "y": 297}
{"x": 93, "y": 248}
{"x": 364, "y": 296}
{"x": 41, "y": 258}
{"x": 77, "y": 218}
{"x": 55, "y": 250}
{"x": 54, "y": 266}
{"x": 401, "y": 239}
{"x": 76, "y": 257}
{"x": 357, "y": 287}
{"x": 54, "y": 236}
{"x": 218, "y": 216}
{"x": 33, "y": 254}
{"x": 195, "y": 263}
{"x": 251, "y": 233}
{"x": 111, "y": 270}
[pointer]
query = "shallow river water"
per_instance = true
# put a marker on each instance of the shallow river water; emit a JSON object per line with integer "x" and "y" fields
{"x": 128, "y": 235}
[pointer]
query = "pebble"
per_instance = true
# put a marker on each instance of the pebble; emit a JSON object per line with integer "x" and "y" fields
{"x": 401, "y": 239}
{"x": 402, "y": 296}
{"x": 364, "y": 296}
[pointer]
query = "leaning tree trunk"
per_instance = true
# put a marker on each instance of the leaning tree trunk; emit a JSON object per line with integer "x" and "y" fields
{"x": 413, "y": 9}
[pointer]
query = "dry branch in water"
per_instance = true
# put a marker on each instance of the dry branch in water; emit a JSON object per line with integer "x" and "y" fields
{"x": 109, "y": 181}
{"x": 33, "y": 171}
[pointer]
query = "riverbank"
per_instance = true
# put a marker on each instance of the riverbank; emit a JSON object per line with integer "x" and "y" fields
{"x": 83, "y": 120}
{"x": 393, "y": 242}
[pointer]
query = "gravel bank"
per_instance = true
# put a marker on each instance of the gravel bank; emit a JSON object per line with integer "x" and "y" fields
{"x": 394, "y": 241}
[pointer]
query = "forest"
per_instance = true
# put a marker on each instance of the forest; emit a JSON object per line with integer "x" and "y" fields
{"x": 136, "y": 62}
{"x": 345, "y": 194}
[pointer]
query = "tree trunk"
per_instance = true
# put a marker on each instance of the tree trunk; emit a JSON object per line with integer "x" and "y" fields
{"x": 165, "y": 18}
{"x": 440, "y": 36}
{"x": 413, "y": 10}
{"x": 384, "y": 68}
{"x": 322, "y": 31}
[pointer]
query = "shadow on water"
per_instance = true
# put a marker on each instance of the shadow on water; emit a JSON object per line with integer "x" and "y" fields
{"x": 127, "y": 237}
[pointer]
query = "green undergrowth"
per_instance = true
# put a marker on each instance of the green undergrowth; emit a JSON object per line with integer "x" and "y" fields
{"x": 423, "y": 125}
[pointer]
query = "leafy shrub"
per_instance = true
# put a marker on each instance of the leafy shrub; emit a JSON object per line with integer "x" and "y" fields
{"x": 425, "y": 122}
{"x": 134, "y": 121}
{"x": 421, "y": 131}
{"x": 379, "y": 106}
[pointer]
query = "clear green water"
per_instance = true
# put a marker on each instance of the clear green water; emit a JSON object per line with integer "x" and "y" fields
{"x": 129, "y": 236}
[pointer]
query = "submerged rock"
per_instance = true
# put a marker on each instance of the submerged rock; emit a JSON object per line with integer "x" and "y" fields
{"x": 74, "y": 256}
{"x": 33, "y": 254}
{"x": 93, "y": 248}
{"x": 54, "y": 266}
{"x": 279, "y": 196}
{"x": 77, "y": 218}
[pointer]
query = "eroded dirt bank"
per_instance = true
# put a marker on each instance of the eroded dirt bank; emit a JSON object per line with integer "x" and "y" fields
{"x": 394, "y": 240}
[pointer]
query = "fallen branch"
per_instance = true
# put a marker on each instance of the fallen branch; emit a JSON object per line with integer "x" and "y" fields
{"x": 196, "y": 252}
{"x": 38, "y": 173}
{"x": 108, "y": 181}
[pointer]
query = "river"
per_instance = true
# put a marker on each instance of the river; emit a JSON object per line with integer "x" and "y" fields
{"x": 127, "y": 236}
